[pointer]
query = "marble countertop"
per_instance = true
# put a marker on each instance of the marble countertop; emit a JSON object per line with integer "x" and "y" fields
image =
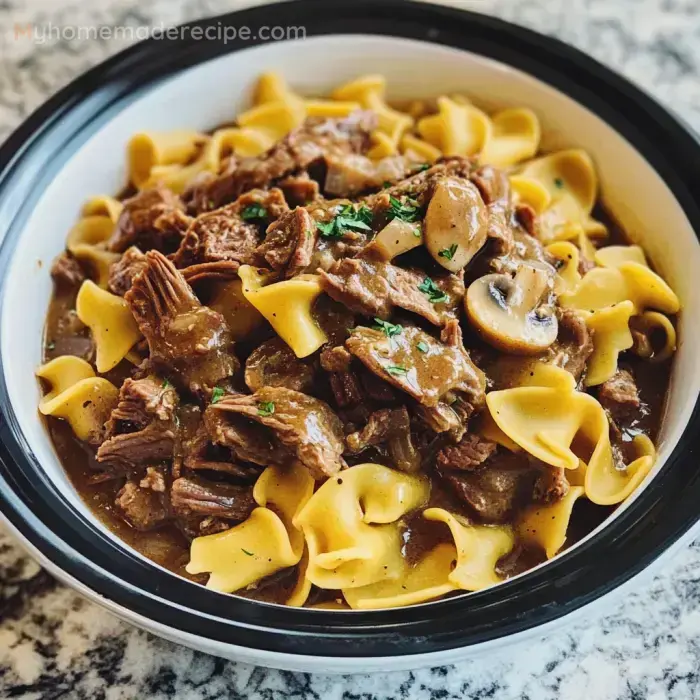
{"x": 54, "y": 644}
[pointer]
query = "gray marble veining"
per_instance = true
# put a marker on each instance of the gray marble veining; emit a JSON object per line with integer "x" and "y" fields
{"x": 53, "y": 644}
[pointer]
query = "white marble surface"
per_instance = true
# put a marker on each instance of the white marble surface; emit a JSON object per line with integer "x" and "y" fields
{"x": 53, "y": 644}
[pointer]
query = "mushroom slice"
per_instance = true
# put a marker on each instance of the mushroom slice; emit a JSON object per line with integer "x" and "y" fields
{"x": 456, "y": 223}
{"x": 514, "y": 314}
{"x": 397, "y": 237}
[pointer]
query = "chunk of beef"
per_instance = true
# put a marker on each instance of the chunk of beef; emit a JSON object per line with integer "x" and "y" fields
{"x": 346, "y": 389}
{"x": 155, "y": 480}
{"x": 470, "y": 453}
{"x": 301, "y": 149}
{"x": 142, "y": 428}
{"x": 299, "y": 190}
{"x": 139, "y": 223}
{"x": 497, "y": 490}
{"x": 374, "y": 288}
{"x": 441, "y": 419}
{"x": 303, "y": 427}
{"x": 232, "y": 232}
{"x": 348, "y": 175}
{"x": 273, "y": 363}
{"x": 574, "y": 343}
{"x": 389, "y": 427}
{"x": 123, "y": 272}
{"x": 290, "y": 242}
{"x": 219, "y": 271}
{"x": 197, "y": 496}
{"x": 141, "y": 507}
{"x": 191, "y": 340}
{"x": 551, "y": 485}
{"x": 67, "y": 272}
{"x": 418, "y": 364}
{"x": 620, "y": 395}
{"x": 335, "y": 359}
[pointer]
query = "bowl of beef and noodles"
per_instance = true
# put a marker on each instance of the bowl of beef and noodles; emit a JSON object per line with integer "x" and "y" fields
{"x": 374, "y": 352}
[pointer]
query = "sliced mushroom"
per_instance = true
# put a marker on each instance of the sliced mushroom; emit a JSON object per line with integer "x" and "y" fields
{"x": 397, "y": 237}
{"x": 514, "y": 314}
{"x": 456, "y": 223}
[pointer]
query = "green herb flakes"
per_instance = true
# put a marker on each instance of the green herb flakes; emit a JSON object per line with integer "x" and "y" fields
{"x": 409, "y": 211}
{"x": 448, "y": 253}
{"x": 253, "y": 211}
{"x": 51, "y": 345}
{"x": 558, "y": 183}
{"x": 266, "y": 408}
{"x": 422, "y": 346}
{"x": 390, "y": 329}
{"x": 347, "y": 219}
{"x": 166, "y": 384}
{"x": 217, "y": 394}
{"x": 245, "y": 551}
{"x": 397, "y": 370}
{"x": 432, "y": 291}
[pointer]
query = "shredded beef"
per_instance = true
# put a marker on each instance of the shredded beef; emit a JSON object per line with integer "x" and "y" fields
{"x": 142, "y": 428}
{"x": 390, "y": 427}
{"x": 290, "y": 242}
{"x": 155, "y": 480}
{"x": 273, "y": 363}
{"x": 551, "y": 485}
{"x": 299, "y": 150}
{"x": 142, "y": 508}
{"x": 67, "y": 272}
{"x": 198, "y": 496}
{"x": 299, "y": 190}
{"x": 620, "y": 395}
{"x": 303, "y": 427}
{"x": 471, "y": 452}
{"x": 188, "y": 339}
{"x": 139, "y": 223}
{"x": 374, "y": 288}
{"x": 123, "y": 272}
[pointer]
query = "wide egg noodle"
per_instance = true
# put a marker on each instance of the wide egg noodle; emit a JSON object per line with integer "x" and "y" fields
{"x": 652, "y": 324}
{"x": 63, "y": 372}
{"x": 244, "y": 554}
{"x": 514, "y": 137}
{"x": 479, "y": 547}
{"x": 103, "y": 205}
{"x": 287, "y": 307}
{"x": 87, "y": 242}
{"x": 111, "y": 323}
{"x": 546, "y": 525}
{"x": 351, "y": 525}
{"x": 568, "y": 257}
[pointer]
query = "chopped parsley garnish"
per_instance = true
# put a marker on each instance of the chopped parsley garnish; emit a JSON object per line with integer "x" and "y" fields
{"x": 245, "y": 551}
{"x": 254, "y": 211}
{"x": 211, "y": 204}
{"x": 347, "y": 219}
{"x": 432, "y": 291}
{"x": 51, "y": 345}
{"x": 420, "y": 168}
{"x": 558, "y": 183}
{"x": 448, "y": 253}
{"x": 266, "y": 408}
{"x": 390, "y": 329}
{"x": 409, "y": 210}
{"x": 417, "y": 230}
{"x": 166, "y": 384}
{"x": 422, "y": 346}
{"x": 217, "y": 394}
{"x": 386, "y": 183}
{"x": 397, "y": 370}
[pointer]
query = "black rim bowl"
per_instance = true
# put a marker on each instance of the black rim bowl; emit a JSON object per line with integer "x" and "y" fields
{"x": 34, "y": 507}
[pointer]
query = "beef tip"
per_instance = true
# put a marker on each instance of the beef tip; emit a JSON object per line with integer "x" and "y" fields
{"x": 471, "y": 452}
{"x": 346, "y": 389}
{"x": 335, "y": 359}
{"x": 349, "y": 174}
{"x": 493, "y": 184}
{"x": 142, "y": 428}
{"x": 273, "y": 363}
{"x": 299, "y": 190}
{"x": 137, "y": 222}
{"x": 551, "y": 485}
{"x": 290, "y": 242}
{"x": 197, "y": 496}
{"x": 441, "y": 419}
{"x": 123, "y": 272}
{"x": 191, "y": 340}
{"x": 527, "y": 218}
{"x": 418, "y": 364}
{"x": 220, "y": 271}
{"x": 374, "y": 288}
{"x": 232, "y": 232}
{"x": 142, "y": 508}
{"x": 301, "y": 149}
{"x": 620, "y": 395}
{"x": 498, "y": 489}
{"x": 390, "y": 427}
{"x": 574, "y": 343}
{"x": 67, "y": 272}
{"x": 303, "y": 427}
{"x": 154, "y": 480}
